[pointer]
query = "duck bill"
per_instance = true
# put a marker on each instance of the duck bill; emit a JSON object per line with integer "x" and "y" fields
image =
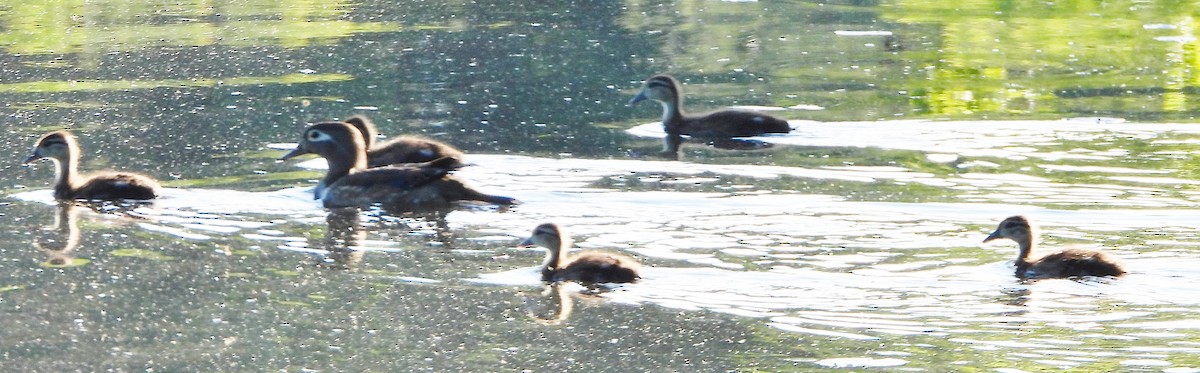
{"x": 528, "y": 242}
{"x": 641, "y": 96}
{"x": 298, "y": 151}
{"x": 994, "y": 236}
{"x": 31, "y": 159}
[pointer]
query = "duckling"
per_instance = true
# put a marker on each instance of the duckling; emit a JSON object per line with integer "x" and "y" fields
{"x": 62, "y": 148}
{"x": 717, "y": 125}
{"x": 401, "y": 149}
{"x": 1066, "y": 263}
{"x": 586, "y": 267}
{"x": 349, "y": 182}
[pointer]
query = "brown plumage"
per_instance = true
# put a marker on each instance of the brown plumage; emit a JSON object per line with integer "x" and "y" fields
{"x": 585, "y": 267}
{"x": 62, "y": 148}
{"x": 1066, "y": 263}
{"x": 717, "y": 125}
{"x": 349, "y": 182}
{"x": 400, "y": 149}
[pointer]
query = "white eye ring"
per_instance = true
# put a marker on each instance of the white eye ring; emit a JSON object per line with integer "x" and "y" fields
{"x": 316, "y": 136}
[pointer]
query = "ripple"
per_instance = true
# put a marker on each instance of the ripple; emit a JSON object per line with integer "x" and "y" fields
{"x": 1000, "y": 139}
{"x": 872, "y": 272}
{"x": 861, "y": 362}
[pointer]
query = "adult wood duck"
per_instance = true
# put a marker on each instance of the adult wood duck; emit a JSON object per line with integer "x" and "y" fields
{"x": 349, "y": 182}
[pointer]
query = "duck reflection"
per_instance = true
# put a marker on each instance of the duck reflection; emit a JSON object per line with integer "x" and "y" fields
{"x": 739, "y": 144}
{"x": 344, "y": 232}
{"x": 58, "y": 241}
{"x": 556, "y": 305}
{"x": 1015, "y": 297}
{"x": 419, "y": 221}
{"x": 342, "y": 246}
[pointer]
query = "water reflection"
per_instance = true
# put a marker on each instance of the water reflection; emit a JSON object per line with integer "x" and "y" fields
{"x": 848, "y": 273}
{"x": 1015, "y": 297}
{"x": 433, "y": 223}
{"x": 849, "y": 244}
{"x": 343, "y": 234}
{"x": 37, "y": 28}
{"x": 345, "y": 241}
{"x": 58, "y": 241}
{"x": 553, "y": 305}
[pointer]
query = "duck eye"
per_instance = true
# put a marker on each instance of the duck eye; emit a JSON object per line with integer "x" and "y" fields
{"x": 313, "y": 135}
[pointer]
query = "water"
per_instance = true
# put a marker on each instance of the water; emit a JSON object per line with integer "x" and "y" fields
{"x": 849, "y": 244}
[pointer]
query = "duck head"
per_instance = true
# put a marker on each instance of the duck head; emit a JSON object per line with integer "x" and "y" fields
{"x": 56, "y": 145}
{"x": 661, "y": 88}
{"x": 1015, "y": 228}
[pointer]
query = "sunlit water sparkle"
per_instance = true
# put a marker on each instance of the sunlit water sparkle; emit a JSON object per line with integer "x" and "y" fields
{"x": 810, "y": 264}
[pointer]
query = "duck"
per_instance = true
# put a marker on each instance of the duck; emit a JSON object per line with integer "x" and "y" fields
{"x": 721, "y": 124}
{"x": 1062, "y": 264}
{"x": 63, "y": 148}
{"x": 401, "y": 149}
{"x": 349, "y": 183}
{"x": 586, "y": 267}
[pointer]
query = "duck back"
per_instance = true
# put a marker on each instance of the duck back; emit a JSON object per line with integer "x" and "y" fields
{"x": 410, "y": 149}
{"x": 1071, "y": 263}
{"x": 112, "y": 186}
{"x": 409, "y": 187}
{"x": 594, "y": 267}
{"x": 732, "y": 123}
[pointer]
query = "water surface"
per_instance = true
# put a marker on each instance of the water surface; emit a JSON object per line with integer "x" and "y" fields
{"x": 852, "y": 243}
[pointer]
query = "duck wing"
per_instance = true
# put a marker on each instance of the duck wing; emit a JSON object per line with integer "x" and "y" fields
{"x": 381, "y": 185}
{"x": 1075, "y": 262}
{"x": 598, "y": 267}
{"x": 117, "y": 186}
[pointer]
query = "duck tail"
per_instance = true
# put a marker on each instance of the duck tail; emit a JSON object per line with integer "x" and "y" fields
{"x": 447, "y": 163}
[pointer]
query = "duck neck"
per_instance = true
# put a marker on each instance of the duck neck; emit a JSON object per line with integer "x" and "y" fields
{"x": 1025, "y": 246}
{"x": 344, "y": 162}
{"x": 65, "y": 179}
{"x": 554, "y": 257}
{"x": 672, "y": 114}
{"x": 672, "y": 120}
